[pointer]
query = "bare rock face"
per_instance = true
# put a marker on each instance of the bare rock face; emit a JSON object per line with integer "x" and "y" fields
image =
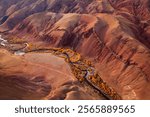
{"x": 113, "y": 34}
{"x": 19, "y": 10}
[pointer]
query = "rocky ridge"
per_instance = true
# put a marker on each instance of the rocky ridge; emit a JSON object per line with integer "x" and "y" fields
{"x": 113, "y": 34}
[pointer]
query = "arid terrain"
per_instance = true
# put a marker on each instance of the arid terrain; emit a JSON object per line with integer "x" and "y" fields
{"x": 114, "y": 35}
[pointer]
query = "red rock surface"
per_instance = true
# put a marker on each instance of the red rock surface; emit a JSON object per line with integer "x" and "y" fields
{"x": 114, "y": 34}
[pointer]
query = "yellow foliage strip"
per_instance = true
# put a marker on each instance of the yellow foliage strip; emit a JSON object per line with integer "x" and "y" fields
{"x": 81, "y": 67}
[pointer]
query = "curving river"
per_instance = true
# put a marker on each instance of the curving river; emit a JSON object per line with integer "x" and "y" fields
{"x": 83, "y": 70}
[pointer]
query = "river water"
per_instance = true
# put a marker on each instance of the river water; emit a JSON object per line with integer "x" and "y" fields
{"x": 18, "y": 49}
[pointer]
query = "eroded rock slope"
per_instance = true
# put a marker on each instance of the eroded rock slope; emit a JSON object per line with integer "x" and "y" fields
{"x": 113, "y": 34}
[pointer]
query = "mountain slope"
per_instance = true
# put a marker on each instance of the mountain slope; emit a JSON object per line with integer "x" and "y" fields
{"x": 113, "y": 34}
